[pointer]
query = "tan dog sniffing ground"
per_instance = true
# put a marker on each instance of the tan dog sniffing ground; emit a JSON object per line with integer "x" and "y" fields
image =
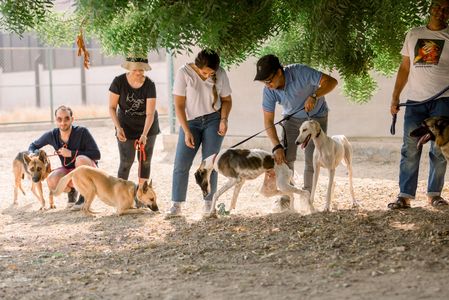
{"x": 328, "y": 153}
{"x": 116, "y": 192}
{"x": 36, "y": 167}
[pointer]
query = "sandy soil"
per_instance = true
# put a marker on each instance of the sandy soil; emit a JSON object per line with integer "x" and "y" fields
{"x": 370, "y": 253}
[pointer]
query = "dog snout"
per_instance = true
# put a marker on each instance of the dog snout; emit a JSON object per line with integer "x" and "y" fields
{"x": 36, "y": 178}
{"x": 153, "y": 207}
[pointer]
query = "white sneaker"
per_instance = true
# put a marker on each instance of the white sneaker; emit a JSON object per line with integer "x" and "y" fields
{"x": 207, "y": 207}
{"x": 282, "y": 204}
{"x": 174, "y": 211}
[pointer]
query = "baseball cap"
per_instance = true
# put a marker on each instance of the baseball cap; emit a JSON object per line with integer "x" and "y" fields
{"x": 266, "y": 66}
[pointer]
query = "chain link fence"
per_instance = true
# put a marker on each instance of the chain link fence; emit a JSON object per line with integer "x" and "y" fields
{"x": 36, "y": 80}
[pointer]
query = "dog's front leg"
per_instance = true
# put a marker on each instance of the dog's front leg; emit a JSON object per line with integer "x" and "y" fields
{"x": 231, "y": 182}
{"x": 235, "y": 195}
{"x": 330, "y": 189}
{"x": 39, "y": 194}
{"x": 51, "y": 200}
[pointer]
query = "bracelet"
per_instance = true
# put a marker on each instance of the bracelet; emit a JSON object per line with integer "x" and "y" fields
{"x": 278, "y": 146}
{"x": 224, "y": 119}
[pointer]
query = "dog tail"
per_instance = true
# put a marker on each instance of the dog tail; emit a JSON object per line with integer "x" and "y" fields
{"x": 62, "y": 184}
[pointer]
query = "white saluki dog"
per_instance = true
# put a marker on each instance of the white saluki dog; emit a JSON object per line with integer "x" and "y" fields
{"x": 238, "y": 165}
{"x": 328, "y": 153}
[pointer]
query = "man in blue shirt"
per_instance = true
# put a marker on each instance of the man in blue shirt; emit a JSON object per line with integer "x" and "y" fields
{"x": 75, "y": 147}
{"x": 300, "y": 91}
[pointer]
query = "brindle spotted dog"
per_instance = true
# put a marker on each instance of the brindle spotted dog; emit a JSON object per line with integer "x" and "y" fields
{"x": 239, "y": 165}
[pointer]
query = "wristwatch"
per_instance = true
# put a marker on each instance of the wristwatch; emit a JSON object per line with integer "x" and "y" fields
{"x": 314, "y": 96}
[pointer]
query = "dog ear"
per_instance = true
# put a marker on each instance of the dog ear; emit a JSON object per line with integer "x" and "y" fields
{"x": 145, "y": 187}
{"x": 26, "y": 159}
{"x": 442, "y": 123}
{"x": 42, "y": 156}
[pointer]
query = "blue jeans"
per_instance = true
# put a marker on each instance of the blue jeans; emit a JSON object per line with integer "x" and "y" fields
{"x": 411, "y": 155}
{"x": 204, "y": 130}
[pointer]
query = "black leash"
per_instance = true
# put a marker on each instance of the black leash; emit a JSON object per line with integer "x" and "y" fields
{"x": 278, "y": 122}
{"x": 434, "y": 97}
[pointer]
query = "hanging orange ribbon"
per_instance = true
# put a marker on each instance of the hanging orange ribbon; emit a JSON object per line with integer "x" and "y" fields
{"x": 82, "y": 49}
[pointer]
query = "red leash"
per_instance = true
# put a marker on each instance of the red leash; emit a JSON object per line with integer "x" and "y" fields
{"x": 140, "y": 148}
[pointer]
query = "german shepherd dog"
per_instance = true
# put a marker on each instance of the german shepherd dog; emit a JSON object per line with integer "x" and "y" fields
{"x": 36, "y": 167}
{"x": 115, "y": 192}
{"x": 434, "y": 129}
{"x": 239, "y": 165}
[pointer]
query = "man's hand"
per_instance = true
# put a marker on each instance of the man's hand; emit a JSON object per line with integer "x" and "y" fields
{"x": 64, "y": 152}
{"x": 394, "y": 108}
{"x": 279, "y": 156}
{"x": 310, "y": 103}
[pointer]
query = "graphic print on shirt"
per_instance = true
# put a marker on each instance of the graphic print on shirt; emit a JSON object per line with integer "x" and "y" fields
{"x": 134, "y": 106}
{"x": 428, "y": 52}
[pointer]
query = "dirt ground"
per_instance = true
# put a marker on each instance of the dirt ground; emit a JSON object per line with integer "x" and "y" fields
{"x": 369, "y": 253}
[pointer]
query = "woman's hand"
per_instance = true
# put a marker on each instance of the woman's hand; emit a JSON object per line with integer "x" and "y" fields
{"x": 120, "y": 133}
{"x": 143, "y": 140}
{"x": 223, "y": 127}
{"x": 189, "y": 140}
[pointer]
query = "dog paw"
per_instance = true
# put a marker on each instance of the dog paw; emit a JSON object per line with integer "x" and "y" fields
{"x": 210, "y": 215}
{"x": 53, "y": 206}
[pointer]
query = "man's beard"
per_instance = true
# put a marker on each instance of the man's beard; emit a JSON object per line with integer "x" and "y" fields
{"x": 65, "y": 128}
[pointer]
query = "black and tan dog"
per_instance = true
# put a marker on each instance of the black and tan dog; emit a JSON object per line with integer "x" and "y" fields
{"x": 36, "y": 167}
{"x": 239, "y": 165}
{"x": 116, "y": 192}
{"x": 434, "y": 129}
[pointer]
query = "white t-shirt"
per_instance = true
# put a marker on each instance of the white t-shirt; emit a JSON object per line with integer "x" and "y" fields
{"x": 198, "y": 92}
{"x": 429, "y": 62}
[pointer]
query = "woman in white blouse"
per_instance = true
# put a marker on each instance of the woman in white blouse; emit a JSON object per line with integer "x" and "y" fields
{"x": 203, "y": 101}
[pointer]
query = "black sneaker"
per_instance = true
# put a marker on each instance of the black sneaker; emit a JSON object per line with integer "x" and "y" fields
{"x": 79, "y": 204}
{"x": 71, "y": 195}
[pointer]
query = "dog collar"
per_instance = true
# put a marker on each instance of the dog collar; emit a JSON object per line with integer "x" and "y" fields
{"x": 136, "y": 187}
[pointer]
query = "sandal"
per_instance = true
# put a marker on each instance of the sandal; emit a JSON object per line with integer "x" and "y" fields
{"x": 438, "y": 201}
{"x": 400, "y": 203}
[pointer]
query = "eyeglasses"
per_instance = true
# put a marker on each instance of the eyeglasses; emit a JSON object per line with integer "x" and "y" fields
{"x": 270, "y": 79}
{"x": 66, "y": 119}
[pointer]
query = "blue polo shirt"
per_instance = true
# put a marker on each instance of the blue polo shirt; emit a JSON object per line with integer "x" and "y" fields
{"x": 300, "y": 82}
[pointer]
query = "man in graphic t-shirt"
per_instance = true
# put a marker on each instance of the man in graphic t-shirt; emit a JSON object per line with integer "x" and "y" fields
{"x": 425, "y": 71}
